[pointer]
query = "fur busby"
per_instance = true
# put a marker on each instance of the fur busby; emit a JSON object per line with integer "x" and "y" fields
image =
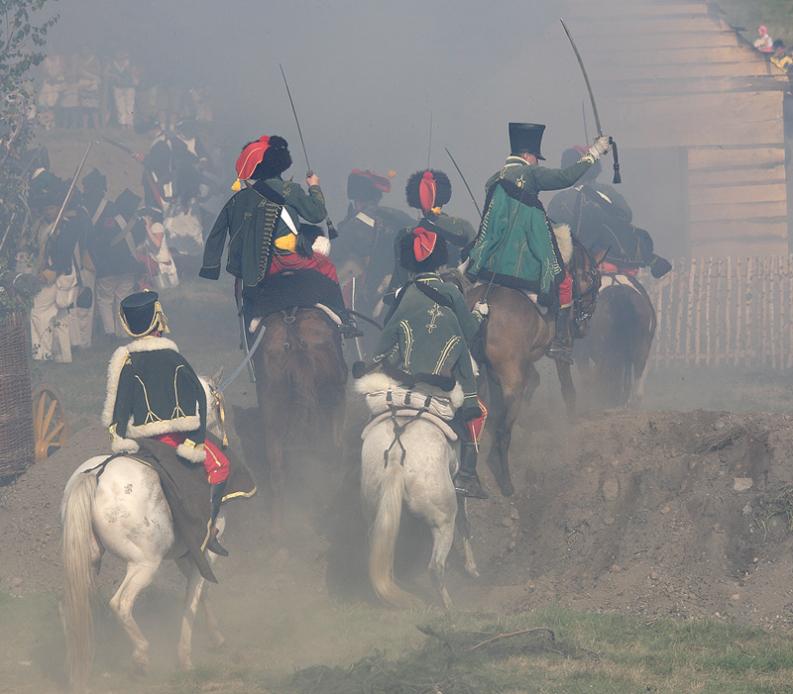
{"x": 438, "y": 254}
{"x": 141, "y": 314}
{"x": 571, "y": 156}
{"x": 443, "y": 189}
{"x": 95, "y": 182}
{"x": 275, "y": 161}
{"x": 367, "y": 186}
{"x": 526, "y": 137}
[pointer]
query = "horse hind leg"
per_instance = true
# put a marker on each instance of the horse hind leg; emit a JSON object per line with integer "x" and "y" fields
{"x": 464, "y": 529}
{"x": 139, "y": 575}
{"x": 498, "y": 458}
{"x": 442, "y": 537}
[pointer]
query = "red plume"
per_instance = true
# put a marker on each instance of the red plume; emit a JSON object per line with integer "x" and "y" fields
{"x": 427, "y": 191}
{"x": 423, "y": 243}
{"x": 251, "y": 156}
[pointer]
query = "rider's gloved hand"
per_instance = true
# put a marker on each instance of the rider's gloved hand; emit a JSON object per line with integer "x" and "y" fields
{"x": 312, "y": 180}
{"x": 482, "y": 308}
{"x": 599, "y": 147}
{"x": 470, "y": 412}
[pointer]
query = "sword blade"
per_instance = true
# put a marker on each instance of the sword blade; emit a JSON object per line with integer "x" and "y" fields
{"x": 586, "y": 79}
{"x": 297, "y": 120}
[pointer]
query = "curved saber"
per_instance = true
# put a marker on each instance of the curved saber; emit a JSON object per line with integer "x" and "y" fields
{"x": 598, "y": 126}
{"x": 467, "y": 187}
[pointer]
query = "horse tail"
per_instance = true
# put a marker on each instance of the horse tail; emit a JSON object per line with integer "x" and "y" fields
{"x": 382, "y": 542}
{"x": 78, "y": 543}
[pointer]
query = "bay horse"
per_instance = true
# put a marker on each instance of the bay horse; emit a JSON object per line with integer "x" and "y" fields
{"x": 516, "y": 335}
{"x": 301, "y": 377}
{"x": 123, "y": 511}
{"x": 619, "y": 342}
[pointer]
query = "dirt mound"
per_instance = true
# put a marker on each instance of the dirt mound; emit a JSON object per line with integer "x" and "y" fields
{"x": 679, "y": 514}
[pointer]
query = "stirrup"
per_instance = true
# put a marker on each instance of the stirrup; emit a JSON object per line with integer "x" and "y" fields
{"x": 469, "y": 486}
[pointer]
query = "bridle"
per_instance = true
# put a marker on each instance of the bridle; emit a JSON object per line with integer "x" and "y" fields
{"x": 584, "y": 302}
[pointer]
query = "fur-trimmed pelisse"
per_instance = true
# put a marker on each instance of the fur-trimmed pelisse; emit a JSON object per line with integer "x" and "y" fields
{"x": 443, "y": 188}
{"x": 407, "y": 258}
{"x": 276, "y": 159}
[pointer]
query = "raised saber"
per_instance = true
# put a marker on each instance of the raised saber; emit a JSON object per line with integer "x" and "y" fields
{"x": 598, "y": 126}
{"x": 465, "y": 183}
{"x": 332, "y": 233}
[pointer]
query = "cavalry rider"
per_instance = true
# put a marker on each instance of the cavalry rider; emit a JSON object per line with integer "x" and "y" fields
{"x": 262, "y": 220}
{"x": 454, "y": 231}
{"x": 516, "y": 246}
{"x": 427, "y": 336}
{"x": 153, "y": 392}
{"x": 602, "y": 220}
{"x": 367, "y": 235}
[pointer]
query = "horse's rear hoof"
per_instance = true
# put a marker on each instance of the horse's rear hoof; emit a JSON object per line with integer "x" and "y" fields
{"x": 506, "y": 488}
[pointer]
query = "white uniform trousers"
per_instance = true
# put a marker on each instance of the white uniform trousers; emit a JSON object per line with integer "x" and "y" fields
{"x": 109, "y": 293}
{"x": 49, "y": 328}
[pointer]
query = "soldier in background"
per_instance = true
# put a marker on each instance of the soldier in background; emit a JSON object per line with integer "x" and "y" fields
{"x": 364, "y": 249}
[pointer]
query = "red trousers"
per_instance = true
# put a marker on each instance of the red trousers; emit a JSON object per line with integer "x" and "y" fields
{"x": 566, "y": 291}
{"x": 293, "y": 261}
{"x": 216, "y": 463}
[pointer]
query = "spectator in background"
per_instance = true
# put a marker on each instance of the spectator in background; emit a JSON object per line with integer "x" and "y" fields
{"x": 764, "y": 42}
{"x": 156, "y": 254}
{"x": 70, "y": 96}
{"x": 89, "y": 77}
{"x": 113, "y": 252}
{"x": 123, "y": 80}
{"x": 781, "y": 58}
{"x": 53, "y": 72}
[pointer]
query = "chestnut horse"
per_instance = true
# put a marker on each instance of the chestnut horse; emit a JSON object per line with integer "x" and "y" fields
{"x": 517, "y": 335}
{"x": 300, "y": 383}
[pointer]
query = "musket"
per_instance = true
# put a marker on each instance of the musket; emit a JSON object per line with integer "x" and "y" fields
{"x": 598, "y": 126}
{"x": 62, "y": 210}
{"x": 332, "y": 233}
{"x": 465, "y": 183}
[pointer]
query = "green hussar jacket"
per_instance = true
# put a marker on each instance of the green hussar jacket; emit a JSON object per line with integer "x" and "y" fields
{"x": 252, "y": 220}
{"x": 152, "y": 390}
{"x": 427, "y": 336}
{"x": 515, "y": 245}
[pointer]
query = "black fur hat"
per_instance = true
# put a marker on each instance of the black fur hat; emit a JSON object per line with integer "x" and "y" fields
{"x": 443, "y": 188}
{"x": 407, "y": 257}
{"x": 276, "y": 159}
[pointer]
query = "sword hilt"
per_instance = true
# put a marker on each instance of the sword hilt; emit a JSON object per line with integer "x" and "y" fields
{"x": 616, "y": 154}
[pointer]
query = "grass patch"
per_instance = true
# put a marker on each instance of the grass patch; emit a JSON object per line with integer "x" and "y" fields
{"x": 776, "y": 14}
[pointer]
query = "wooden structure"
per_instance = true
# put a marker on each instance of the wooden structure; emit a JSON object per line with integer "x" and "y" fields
{"x": 681, "y": 90}
{"x": 725, "y": 311}
{"x": 16, "y": 425}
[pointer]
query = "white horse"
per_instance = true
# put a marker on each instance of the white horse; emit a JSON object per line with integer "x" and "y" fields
{"x": 125, "y": 512}
{"x": 410, "y": 460}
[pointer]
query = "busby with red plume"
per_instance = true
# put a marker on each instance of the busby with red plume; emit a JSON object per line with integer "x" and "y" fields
{"x": 266, "y": 157}
{"x": 422, "y": 250}
{"x": 367, "y": 186}
{"x": 428, "y": 189}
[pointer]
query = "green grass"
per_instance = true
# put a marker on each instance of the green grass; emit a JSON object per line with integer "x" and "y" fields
{"x": 777, "y": 15}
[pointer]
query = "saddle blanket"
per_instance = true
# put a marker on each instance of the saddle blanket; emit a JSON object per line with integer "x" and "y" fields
{"x": 405, "y": 415}
{"x": 619, "y": 280}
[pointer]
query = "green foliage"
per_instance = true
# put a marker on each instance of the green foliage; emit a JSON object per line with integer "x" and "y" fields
{"x": 749, "y": 14}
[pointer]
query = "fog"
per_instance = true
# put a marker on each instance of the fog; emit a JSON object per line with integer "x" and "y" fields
{"x": 365, "y": 76}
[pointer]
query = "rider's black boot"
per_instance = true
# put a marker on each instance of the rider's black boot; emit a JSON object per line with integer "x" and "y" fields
{"x": 659, "y": 266}
{"x": 216, "y": 498}
{"x": 349, "y": 327}
{"x": 561, "y": 347}
{"x": 466, "y": 481}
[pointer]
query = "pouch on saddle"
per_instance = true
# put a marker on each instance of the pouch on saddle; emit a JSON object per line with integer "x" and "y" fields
{"x": 186, "y": 489}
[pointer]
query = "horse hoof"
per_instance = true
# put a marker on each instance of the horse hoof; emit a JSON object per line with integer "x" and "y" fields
{"x": 506, "y": 488}
{"x": 141, "y": 661}
{"x": 472, "y": 571}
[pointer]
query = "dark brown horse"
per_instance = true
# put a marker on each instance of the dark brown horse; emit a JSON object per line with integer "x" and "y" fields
{"x": 618, "y": 344}
{"x": 517, "y": 334}
{"x": 300, "y": 384}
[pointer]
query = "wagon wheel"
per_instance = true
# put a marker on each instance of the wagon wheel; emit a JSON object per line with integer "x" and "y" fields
{"x": 49, "y": 421}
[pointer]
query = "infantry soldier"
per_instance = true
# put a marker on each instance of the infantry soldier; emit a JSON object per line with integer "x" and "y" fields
{"x": 427, "y": 336}
{"x": 516, "y": 246}
{"x": 153, "y": 392}
{"x": 603, "y": 221}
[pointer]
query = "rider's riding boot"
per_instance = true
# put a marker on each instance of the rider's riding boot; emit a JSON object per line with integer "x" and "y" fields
{"x": 659, "y": 266}
{"x": 216, "y": 498}
{"x": 561, "y": 347}
{"x": 349, "y": 327}
{"x": 466, "y": 481}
